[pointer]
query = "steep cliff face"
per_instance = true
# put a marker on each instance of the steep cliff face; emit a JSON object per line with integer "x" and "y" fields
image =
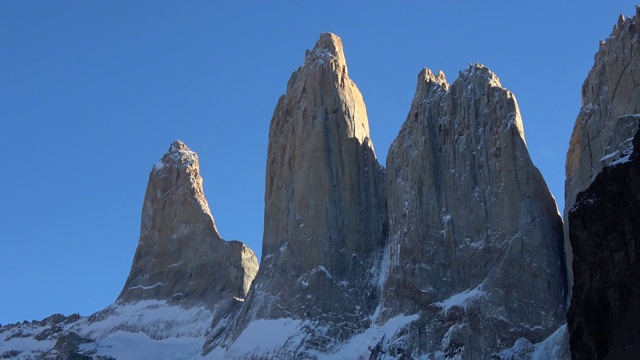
{"x": 475, "y": 238}
{"x": 603, "y": 129}
{"x": 605, "y": 235}
{"x": 180, "y": 255}
{"x": 324, "y": 209}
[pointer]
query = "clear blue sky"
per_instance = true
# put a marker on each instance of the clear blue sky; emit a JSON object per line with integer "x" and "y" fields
{"x": 92, "y": 93}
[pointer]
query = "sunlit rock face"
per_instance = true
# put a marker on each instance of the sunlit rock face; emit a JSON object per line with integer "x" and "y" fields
{"x": 180, "y": 255}
{"x": 605, "y": 124}
{"x": 324, "y": 208}
{"x": 605, "y": 234}
{"x": 475, "y": 238}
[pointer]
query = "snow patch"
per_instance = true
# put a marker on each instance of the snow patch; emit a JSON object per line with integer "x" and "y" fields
{"x": 555, "y": 347}
{"x": 158, "y": 166}
{"x": 126, "y": 345}
{"x": 381, "y": 274}
{"x": 267, "y": 338}
{"x": 149, "y": 329}
{"x": 623, "y": 159}
{"x": 155, "y": 318}
{"x": 461, "y": 299}
{"x": 609, "y": 156}
{"x": 370, "y": 338}
{"x": 147, "y": 287}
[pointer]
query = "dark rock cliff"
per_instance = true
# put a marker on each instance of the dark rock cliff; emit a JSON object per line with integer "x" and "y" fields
{"x": 604, "y": 315}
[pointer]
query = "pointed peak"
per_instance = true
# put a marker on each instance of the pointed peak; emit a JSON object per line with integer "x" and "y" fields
{"x": 327, "y": 48}
{"x": 178, "y": 145}
{"x": 330, "y": 42}
{"x": 178, "y": 154}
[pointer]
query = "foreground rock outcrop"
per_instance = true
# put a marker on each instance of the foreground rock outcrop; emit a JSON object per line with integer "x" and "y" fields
{"x": 180, "y": 255}
{"x": 324, "y": 212}
{"x": 475, "y": 238}
{"x": 604, "y": 316}
{"x": 602, "y": 129}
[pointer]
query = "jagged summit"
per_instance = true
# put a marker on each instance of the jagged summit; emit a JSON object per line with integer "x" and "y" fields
{"x": 426, "y": 76}
{"x": 473, "y": 228}
{"x": 180, "y": 255}
{"x": 477, "y": 71}
{"x": 474, "y": 81}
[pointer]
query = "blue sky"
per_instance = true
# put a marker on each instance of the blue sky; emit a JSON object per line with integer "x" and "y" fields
{"x": 92, "y": 93}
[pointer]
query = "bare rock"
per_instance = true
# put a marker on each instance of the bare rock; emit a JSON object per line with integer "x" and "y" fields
{"x": 603, "y": 128}
{"x": 475, "y": 237}
{"x": 180, "y": 255}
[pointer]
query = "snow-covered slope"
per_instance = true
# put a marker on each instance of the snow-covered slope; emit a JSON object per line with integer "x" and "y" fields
{"x": 148, "y": 329}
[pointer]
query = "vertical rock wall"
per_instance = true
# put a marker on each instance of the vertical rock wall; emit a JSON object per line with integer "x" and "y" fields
{"x": 475, "y": 238}
{"x": 324, "y": 205}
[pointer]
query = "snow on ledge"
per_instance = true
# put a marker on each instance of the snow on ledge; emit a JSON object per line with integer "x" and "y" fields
{"x": 461, "y": 299}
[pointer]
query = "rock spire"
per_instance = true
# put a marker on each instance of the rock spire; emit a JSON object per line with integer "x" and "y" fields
{"x": 475, "y": 238}
{"x": 324, "y": 207}
{"x": 180, "y": 255}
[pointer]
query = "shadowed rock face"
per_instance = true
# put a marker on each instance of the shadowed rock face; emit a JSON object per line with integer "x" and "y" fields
{"x": 475, "y": 238}
{"x": 324, "y": 204}
{"x": 603, "y": 128}
{"x": 180, "y": 255}
{"x": 604, "y": 316}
